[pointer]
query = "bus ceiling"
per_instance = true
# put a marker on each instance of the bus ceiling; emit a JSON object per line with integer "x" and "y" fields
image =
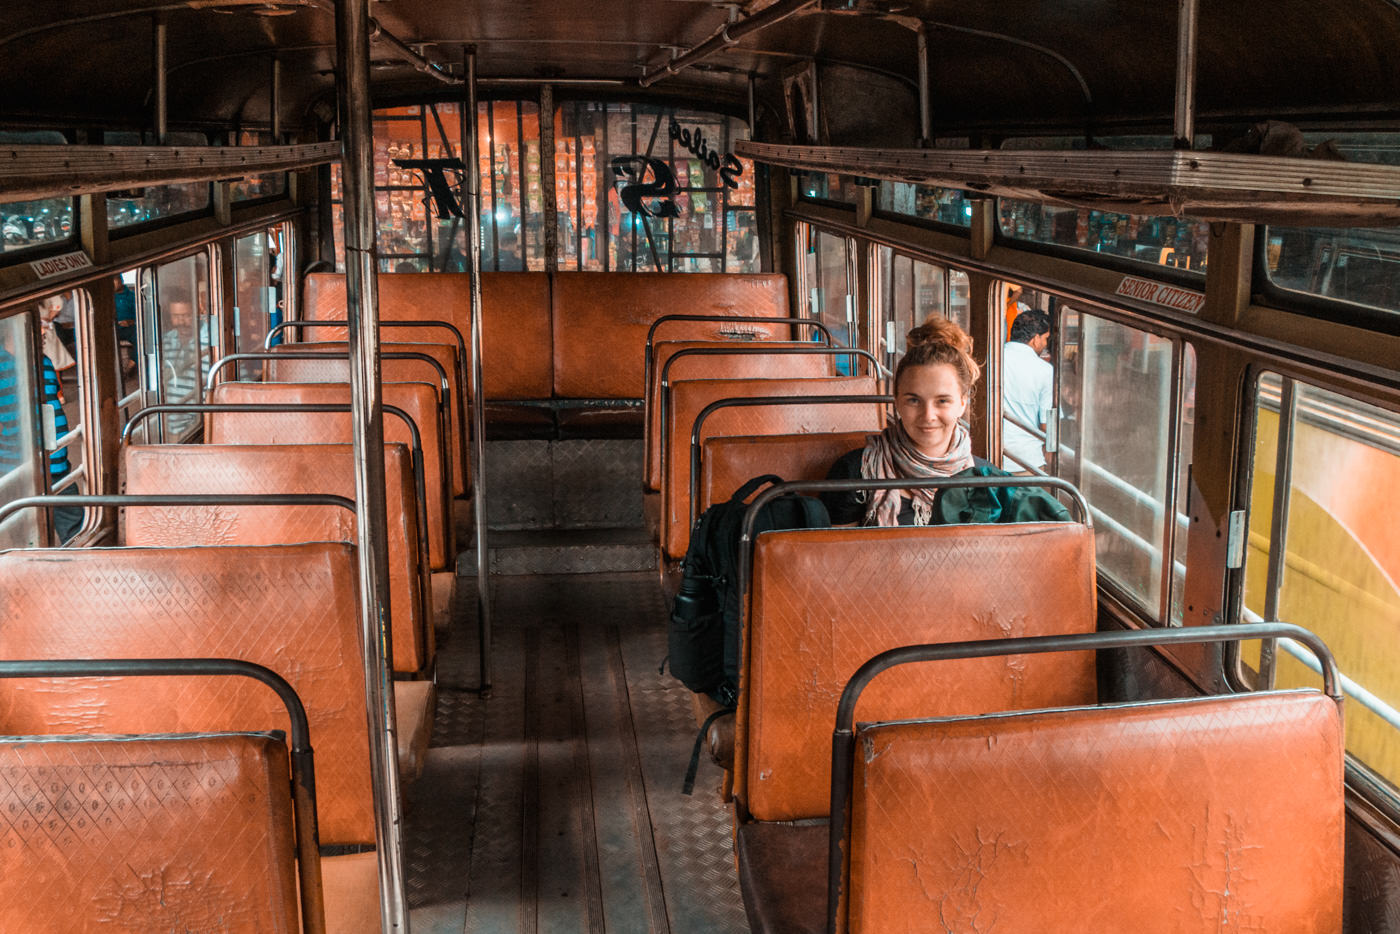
{"x": 991, "y": 69}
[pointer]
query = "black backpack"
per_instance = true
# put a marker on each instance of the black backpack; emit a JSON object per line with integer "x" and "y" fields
{"x": 704, "y": 632}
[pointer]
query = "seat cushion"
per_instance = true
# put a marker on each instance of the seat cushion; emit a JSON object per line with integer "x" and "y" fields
{"x": 782, "y": 875}
{"x": 414, "y": 702}
{"x": 351, "y": 885}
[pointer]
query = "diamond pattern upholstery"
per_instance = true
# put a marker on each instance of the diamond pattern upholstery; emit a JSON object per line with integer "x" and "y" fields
{"x": 291, "y": 608}
{"x": 745, "y": 365}
{"x": 417, "y": 399}
{"x": 728, "y": 463}
{"x": 293, "y": 370}
{"x": 284, "y": 468}
{"x": 600, "y": 321}
{"x": 689, "y": 397}
{"x": 1169, "y": 817}
{"x": 114, "y": 834}
{"x": 824, "y": 601}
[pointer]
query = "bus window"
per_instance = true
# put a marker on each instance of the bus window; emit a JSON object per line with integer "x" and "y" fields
{"x": 63, "y": 326}
{"x": 1332, "y": 564}
{"x": 940, "y": 205}
{"x": 255, "y": 259}
{"x": 20, "y": 433}
{"x": 180, "y": 337}
{"x": 1116, "y": 408}
{"x": 911, "y": 290}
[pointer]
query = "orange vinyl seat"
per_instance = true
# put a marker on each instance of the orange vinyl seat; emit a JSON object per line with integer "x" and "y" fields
{"x": 418, "y": 400}
{"x": 393, "y": 370}
{"x": 727, "y": 463}
{"x": 823, "y": 601}
{"x": 820, "y": 604}
{"x": 290, "y": 608}
{"x": 689, "y": 397}
{"x": 299, "y": 468}
{"x": 553, "y": 340}
{"x": 958, "y": 820}
{"x": 674, "y": 361}
{"x": 147, "y": 833}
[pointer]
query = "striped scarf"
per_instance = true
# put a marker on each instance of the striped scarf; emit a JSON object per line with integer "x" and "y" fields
{"x": 891, "y": 455}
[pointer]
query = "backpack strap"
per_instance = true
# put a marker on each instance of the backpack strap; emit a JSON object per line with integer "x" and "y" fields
{"x": 689, "y": 786}
{"x": 748, "y": 489}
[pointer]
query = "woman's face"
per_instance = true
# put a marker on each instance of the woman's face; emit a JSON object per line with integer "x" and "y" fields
{"x": 929, "y": 401}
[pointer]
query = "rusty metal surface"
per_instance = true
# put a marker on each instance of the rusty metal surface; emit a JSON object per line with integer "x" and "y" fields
{"x": 554, "y": 804}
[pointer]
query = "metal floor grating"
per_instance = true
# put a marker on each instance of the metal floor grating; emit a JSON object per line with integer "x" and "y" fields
{"x": 553, "y": 804}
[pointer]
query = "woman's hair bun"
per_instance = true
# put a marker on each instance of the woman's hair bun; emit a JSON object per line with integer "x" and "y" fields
{"x": 939, "y": 330}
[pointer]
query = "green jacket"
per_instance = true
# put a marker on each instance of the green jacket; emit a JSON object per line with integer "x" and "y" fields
{"x": 996, "y": 503}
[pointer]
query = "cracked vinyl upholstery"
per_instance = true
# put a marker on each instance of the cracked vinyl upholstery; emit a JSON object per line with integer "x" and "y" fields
{"x": 824, "y": 601}
{"x": 417, "y": 399}
{"x": 744, "y": 364}
{"x": 290, "y": 608}
{"x": 689, "y": 398}
{"x": 284, "y": 468}
{"x": 392, "y": 370}
{"x": 114, "y": 834}
{"x": 1174, "y": 817}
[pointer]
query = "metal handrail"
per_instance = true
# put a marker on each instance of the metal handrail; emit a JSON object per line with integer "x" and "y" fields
{"x": 420, "y": 485}
{"x": 303, "y": 765}
{"x": 55, "y": 500}
{"x": 648, "y": 362}
{"x": 843, "y": 742}
{"x": 748, "y": 401}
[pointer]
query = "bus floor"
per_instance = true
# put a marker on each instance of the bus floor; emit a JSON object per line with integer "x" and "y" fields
{"x": 554, "y": 804}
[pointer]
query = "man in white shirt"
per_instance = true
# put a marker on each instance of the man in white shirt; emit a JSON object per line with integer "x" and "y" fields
{"x": 1026, "y": 391}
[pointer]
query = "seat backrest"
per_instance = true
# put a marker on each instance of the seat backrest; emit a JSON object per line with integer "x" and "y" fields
{"x": 600, "y": 321}
{"x": 419, "y": 400}
{"x": 1219, "y": 813}
{"x": 744, "y": 363}
{"x": 516, "y": 337}
{"x": 393, "y": 370}
{"x": 290, "y": 608}
{"x": 284, "y": 468}
{"x": 727, "y": 463}
{"x": 690, "y": 397}
{"x": 147, "y": 834}
{"x": 823, "y": 602}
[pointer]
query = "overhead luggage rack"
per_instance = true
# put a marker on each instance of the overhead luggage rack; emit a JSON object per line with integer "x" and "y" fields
{"x": 1215, "y": 186}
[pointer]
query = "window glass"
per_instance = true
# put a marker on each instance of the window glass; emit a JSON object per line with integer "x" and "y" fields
{"x": 641, "y": 187}
{"x": 35, "y": 223}
{"x": 1115, "y": 410}
{"x": 1350, "y": 264}
{"x": 253, "y": 187}
{"x": 910, "y": 291}
{"x": 943, "y": 205}
{"x": 183, "y": 337}
{"x": 130, "y": 350}
{"x": 127, "y": 208}
{"x": 63, "y": 321}
{"x": 255, "y": 263}
{"x": 830, "y": 293}
{"x": 828, "y": 186}
{"x": 21, "y": 444}
{"x": 1161, "y": 241}
{"x": 1333, "y": 565}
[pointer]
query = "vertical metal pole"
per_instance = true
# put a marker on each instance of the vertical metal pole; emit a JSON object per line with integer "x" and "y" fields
{"x": 275, "y": 104}
{"x": 1278, "y": 528}
{"x": 1184, "y": 117}
{"x": 159, "y": 98}
{"x": 1169, "y": 529}
{"x": 549, "y": 198}
{"x": 753, "y": 110}
{"x": 925, "y": 96}
{"x": 483, "y": 556}
{"x": 366, "y": 399}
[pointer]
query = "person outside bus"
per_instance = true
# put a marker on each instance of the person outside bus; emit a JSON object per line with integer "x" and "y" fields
{"x": 1026, "y": 391}
{"x": 932, "y": 385}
